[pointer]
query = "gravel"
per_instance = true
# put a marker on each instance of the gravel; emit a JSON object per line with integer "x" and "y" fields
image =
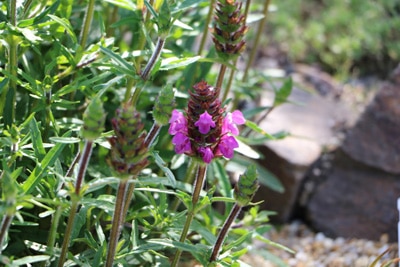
{"x": 317, "y": 250}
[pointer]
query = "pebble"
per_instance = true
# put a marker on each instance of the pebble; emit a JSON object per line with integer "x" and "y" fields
{"x": 318, "y": 250}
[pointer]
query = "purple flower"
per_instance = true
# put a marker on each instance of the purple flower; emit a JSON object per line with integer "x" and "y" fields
{"x": 178, "y": 123}
{"x": 230, "y": 122}
{"x": 182, "y": 143}
{"x": 206, "y": 154}
{"x": 204, "y": 123}
{"x": 226, "y": 146}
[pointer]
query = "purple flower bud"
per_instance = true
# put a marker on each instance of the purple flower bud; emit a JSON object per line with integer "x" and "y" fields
{"x": 204, "y": 123}
{"x": 230, "y": 122}
{"x": 182, "y": 143}
{"x": 226, "y": 146}
{"x": 206, "y": 154}
{"x": 178, "y": 123}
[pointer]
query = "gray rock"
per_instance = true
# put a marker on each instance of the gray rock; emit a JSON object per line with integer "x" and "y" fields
{"x": 375, "y": 140}
{"x": 358, "y": 198}
{"x": 355, "y": 201}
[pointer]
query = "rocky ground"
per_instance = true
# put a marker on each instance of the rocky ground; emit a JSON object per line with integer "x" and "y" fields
{"x": 317, "y": 250}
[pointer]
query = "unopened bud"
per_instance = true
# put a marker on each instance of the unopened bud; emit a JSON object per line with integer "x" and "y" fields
{"x": 93, "y": 120}
{"x": 247, "y": 186}
{"x": 164, "y": 105}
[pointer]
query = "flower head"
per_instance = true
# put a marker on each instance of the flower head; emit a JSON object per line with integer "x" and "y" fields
{"x": 204, "y": 131}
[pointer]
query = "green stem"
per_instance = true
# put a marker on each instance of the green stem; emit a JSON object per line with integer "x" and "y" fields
{"x": 52, "y": 235}
{"x": 229, "y": 85}
{"x": 224, "y": 231}
{"x": 7, "y": 98}
{"x": 220, "y": 79}
{"x": 128, "y": 198}
{"x": 259, "y": 33}
{"x": 68, "y": 230}
{"x": 83, "y": 162}
{"x": 112, "y": 19}
{"x": 53, "y": 230}
{"x": 205, "y": 30}
{"x": 86, "y": 23}
{"x": 117, "y": 223}
{"x": 153, "y": 59}
{"x": 188, "y": 180}
{"x": 199, "y": 182}
{"x": 151, "y": 136}
{"x": 5, "y": 224}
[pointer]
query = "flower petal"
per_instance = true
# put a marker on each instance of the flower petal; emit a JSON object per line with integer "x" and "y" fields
{"x": 178, "y": 123}
{"x": 204, "y": 123}
{"x": 182, "y": 143}
{"x": 206, "y": 154}
{"x": 227, "y": 146}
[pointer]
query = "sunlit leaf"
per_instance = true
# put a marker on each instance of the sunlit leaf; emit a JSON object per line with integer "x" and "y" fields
{"x": 173, "y": 62}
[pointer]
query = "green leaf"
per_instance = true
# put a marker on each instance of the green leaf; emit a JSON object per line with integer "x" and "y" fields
{"x": 122, "y": 65}
{"x": 2, "y": 84}
{"x": 283, "y": 93}
{"x": 257, "y": 129}
{"x": 151, "y": 9}
{"x": 174, "y": 62}
{"x": 185, "y": 4}
{"x": 239, "y": 163}
{"x": 126, "y": 4}
{"x": 65, "y": 140}
{"x": 30, "y": 259}
{"x": 66, "y": 25}
{"x": 160, "y": 162}
{"x": 37, "y": 142}
{"x": 39, "y": 170}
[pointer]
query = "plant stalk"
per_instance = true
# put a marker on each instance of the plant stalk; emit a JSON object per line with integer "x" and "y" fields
{"x": 199, "y": 183}
{"x": 10, "y": 90}
{"x": 151, "y": 136}
{"x": 259, "y": 33}
{"x": 86, "y": 23}
{"x": 205, "y": 30}
{"x": 83, "y": 162}
{"x": 188, "y": 179}
{"x": 116, "y": 223}
{"x": 153, "y": 59}
{"x": 5, "y": 224}
{"x": 224, "y": 231}
{"x": 68, "y": 230}
{"x": 220, "y": 79}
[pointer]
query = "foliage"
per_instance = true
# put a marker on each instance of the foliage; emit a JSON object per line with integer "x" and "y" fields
{"x": 68, "y": 69}
{"x": 340, "y": 35}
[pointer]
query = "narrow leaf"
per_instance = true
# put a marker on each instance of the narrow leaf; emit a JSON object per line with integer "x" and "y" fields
{"x": 40, "y": 168}
{"x": 257, "y": 129}
{"x": 283, "y": 93}
{"x": 123, "y": 65}
{"x": 37, "y": 142}
{"x": 173, "y": 62}
{"x": 66, "y": 25}
{"x": 160, "y": 162}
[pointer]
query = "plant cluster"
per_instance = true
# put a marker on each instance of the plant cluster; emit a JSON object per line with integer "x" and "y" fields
{"x": 112, "y": 125}
{"x": 341, "y": 36}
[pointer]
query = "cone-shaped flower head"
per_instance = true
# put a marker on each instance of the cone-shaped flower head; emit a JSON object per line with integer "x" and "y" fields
{"x": 247, "y": 186}
{"x": 229, "y": 29}
{"x": 93, "y": 120}
{"x": 204, "y": 131}
{"x": 128, "y": 155}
